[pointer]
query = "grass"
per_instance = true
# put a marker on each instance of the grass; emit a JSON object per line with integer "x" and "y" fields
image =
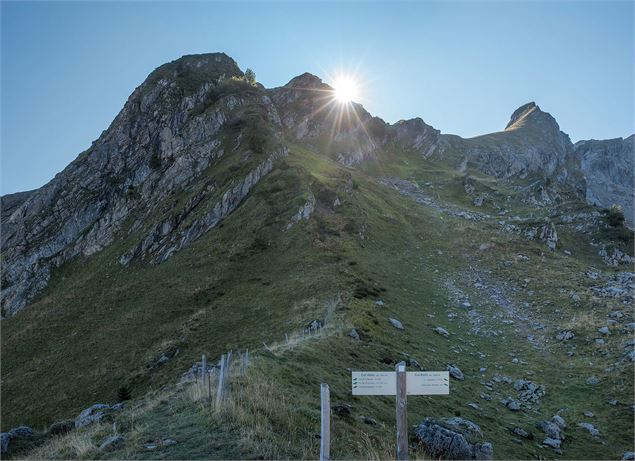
{"x": 251, "y": 281}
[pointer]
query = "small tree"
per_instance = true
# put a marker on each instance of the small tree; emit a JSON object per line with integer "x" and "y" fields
{"x": 250, "y": 77}
{"x": 615, "y": 216}
{"x": 123, "y": 393}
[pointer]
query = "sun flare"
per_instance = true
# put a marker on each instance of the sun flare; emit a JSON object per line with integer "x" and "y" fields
{"x": 346, "y": 89}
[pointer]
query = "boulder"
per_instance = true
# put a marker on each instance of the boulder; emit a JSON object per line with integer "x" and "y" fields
{"x": 565, "y": 335}
{"x": 442, "y": 331}
{"x": 353, "y": 334}
{"x": 552, "y": 430}
{"x": 589, "y": 427}
{"x": 21, "y": 432}
{"x": 4, "y": 442}
{"x": 442, "y": 439}
{"x": 553, "y": 443}
{"x": 456, "y": 372}
{"x": 92, "y": 415}
{"x": 628, "y": 455}
{"x": 396, "y": 323}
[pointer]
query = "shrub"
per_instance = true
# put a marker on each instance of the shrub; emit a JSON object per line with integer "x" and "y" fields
{"x": 123, "y": 393}
{"x": 615, "y": 216}
{"x": 250, "y": 77}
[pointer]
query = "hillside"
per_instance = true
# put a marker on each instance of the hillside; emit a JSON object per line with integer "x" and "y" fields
{"x": 218, "y": 215}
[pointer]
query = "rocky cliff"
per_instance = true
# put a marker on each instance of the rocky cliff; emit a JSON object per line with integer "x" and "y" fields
{"x": 608, "y": 171}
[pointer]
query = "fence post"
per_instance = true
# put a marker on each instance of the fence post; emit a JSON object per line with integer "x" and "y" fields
{"x": 221, "y": 381}
{"x": 402, "y": 419}
{"x": 325, "y": 429}
{"x": 203, "y": 368}
{"x": 209, "y": 386}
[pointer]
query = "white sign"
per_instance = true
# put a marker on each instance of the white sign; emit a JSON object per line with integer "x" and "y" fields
{"x": 374, "y": 383}
{"x": 427, "y": 383}
{"x": 385, "y": 383}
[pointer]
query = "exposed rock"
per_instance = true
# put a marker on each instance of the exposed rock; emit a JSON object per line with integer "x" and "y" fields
{"x": 604, "y": 330}
{"x": 519, "y": 431}
{"x": 442, "y": 331}
{"x": 4, "y": 442}
{"x": 553, "y": 443}
{"x": 21, "y": 432}
{"x": 367, "y": 420}
{"x": 440, "y": 439}
{"x": 565, "y": 335}
{"x": 607, "y": 166}
{"x": 304, "y": 213}
{"x": 628, "y": 455}
{"x": 553, "y": 430}
{"x": 93, "y": 414}
{"x": 353, "y": 334}
{"x": 110, "y": 442}
{"x": 396, "y": 323}
{"x": 592, "y": 381}
{"x": 455, "y": 372}
{"x": 589, "y": 427}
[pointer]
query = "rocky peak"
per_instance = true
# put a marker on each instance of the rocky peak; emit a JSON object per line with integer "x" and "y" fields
{"x": 530, "y": 115}
{"x": 307, "y": 81}
{"x": 416, "y": 134}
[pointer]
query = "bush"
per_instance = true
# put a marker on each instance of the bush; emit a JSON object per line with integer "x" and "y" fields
{"x": 250, "y": 77}
{"x": 123, "y": 394}
{"x": 615, "y": 216}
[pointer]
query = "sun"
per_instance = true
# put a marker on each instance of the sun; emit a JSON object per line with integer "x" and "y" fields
{"x": 346, "y": 89}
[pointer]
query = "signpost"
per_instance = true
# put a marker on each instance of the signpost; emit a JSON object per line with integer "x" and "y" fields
{"x": 401, "y": 384}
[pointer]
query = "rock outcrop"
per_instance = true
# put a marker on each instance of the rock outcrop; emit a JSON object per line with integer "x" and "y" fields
{"x": 453, "y": 438}
{"x": 608, "y": 168}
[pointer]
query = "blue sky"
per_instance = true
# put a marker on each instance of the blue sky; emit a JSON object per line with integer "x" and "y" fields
{"x": 68, "y": 68}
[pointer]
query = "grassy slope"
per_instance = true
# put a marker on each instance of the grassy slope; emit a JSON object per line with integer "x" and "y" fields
{"x": 377, "y": 238}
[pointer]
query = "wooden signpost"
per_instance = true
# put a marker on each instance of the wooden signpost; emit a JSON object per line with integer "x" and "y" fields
{"x": 401, "y": 384}
{"x": 325, "y": 426}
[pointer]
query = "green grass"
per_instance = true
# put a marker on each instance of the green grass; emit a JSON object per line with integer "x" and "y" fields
{"x": 250, "y": 281}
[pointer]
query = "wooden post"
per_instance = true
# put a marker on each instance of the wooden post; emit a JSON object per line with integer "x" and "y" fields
{"x": 203, "y": 368}
{"x": 402, "y": 417}
{"x": 325, "y": 429}
{"x": 209, "y": 386}
{"x": 221, "y": 381}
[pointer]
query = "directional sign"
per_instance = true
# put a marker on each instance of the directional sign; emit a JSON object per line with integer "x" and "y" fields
{"x": 385, "y": 383}
{"x": 374, "y": 383}
{"x": 428, "y": 383}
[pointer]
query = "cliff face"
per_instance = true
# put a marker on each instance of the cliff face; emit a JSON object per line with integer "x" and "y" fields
{"x": 608, "y": 168}
{"x": 176, "y": 126}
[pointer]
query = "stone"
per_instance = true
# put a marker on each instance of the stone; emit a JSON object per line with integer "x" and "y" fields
{"x": 589, "y": 414}
{"x": 604, "y": 330}
{"x": 589, "y": 427}
{"x": 396, "y": 323}
{"x": 4, "y": 442}
{"x": 628, "y": 455}
{"x": 513, "y": 405}
{"x": 455, "y": 372}
{"x": 592, "y": 381}
{"x": 442, "y": 331}
{"x": 559, "y": 421}
{"x": 91, "y": 415}
{"x": 353, "y": 334}
{"x": 21, "y": 432}
{"x": 441, "y": 440}
{"x": 110, "y": 442}
{"x": 565, "y": 335}
{"x": 519, "y": 431}
{"x": 552, "y": 430}
{"x": 553, "y": 443}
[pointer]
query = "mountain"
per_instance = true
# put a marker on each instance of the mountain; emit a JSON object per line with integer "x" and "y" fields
{"x": 215, "y": 214}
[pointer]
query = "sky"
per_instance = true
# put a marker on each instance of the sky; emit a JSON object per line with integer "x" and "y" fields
{"x": 462, "y": 66}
